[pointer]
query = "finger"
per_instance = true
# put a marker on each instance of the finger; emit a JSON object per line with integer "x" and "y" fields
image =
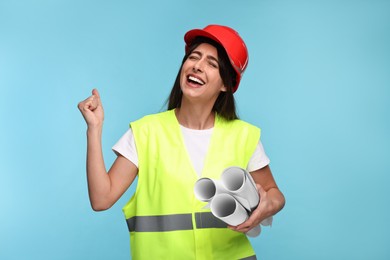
{"x": 95, "y": 93}
{"x": 247, "y": 224}
{"x": 85, "y": 105}
{"x": 93, "y": 103}
{"x": 234, "y": 228}
{"x": 89, "y": 104}
{"x": 243, "y": 230}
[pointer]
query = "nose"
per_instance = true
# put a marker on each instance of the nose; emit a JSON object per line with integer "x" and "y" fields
{"x": 198, "y": 66}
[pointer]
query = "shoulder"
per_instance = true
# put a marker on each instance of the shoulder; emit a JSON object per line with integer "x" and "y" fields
{"x": 244, "y": 123}
{"x": 238, "y": 125}
{"x": 153, "y": 119}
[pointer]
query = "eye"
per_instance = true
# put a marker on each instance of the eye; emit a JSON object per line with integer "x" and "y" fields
{"x": 213, "y": 64}
{"x": 193, "y": 57}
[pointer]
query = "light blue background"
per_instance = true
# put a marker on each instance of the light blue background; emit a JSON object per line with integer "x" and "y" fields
{"x": 318, "y": 84}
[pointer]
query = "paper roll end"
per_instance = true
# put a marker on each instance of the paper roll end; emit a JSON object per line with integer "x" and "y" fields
{"x": 254, "y": 232}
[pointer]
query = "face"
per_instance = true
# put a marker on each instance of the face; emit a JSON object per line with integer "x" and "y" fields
{"x": 199, "y": 77}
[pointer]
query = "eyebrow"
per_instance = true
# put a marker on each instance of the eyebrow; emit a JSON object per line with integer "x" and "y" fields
{"x": 208, "y": 56}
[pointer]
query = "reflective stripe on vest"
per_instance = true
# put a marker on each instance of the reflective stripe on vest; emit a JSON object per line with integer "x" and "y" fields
{"x": 253, "y": 257}
{"x": 207, "y": 220}
{"x": 160, "y": 223}
{"x": 173, "y": 222}
{"x": 176, "y": 222}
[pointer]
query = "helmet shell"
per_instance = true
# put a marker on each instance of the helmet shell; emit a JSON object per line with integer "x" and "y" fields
{"x": 230, "y": 40}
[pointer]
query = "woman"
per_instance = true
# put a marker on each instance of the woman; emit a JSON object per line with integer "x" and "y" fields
{"x": 199, "y": 135}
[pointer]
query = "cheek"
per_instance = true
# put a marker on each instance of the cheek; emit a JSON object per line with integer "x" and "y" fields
{"x": 220, "y": 85}
{"x": 181, "y": 74}
{"x": 182, "y": 78}
{"x": 185, "y": 65}
{"x": 217, "y": 79}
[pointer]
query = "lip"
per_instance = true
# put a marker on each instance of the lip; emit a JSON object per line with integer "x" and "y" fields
{"x": 194, "y": 84}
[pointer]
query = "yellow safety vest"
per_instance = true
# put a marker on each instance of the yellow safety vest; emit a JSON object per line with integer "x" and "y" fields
{"x": 164, "y": 218}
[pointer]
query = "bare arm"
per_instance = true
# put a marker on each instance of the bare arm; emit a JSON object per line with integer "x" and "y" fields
{"x": 271, "y": 200}
{"x": 104, "y": 188}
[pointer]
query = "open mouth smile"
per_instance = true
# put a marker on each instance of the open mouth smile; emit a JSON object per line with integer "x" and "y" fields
{"x": 195, "y": 80}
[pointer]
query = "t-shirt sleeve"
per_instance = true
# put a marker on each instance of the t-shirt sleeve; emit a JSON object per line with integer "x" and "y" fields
{"x": 259, "y": 159}
{"x": 126, "y": 147}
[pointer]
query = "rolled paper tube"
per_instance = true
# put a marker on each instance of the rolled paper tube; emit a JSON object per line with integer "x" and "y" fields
{"x": 254, "y": 232}
{"x": 228, "y": 209}
{"x": 267, "y": 221}
{"x": 240, "y": 184}
{"x": 205, "y": 189}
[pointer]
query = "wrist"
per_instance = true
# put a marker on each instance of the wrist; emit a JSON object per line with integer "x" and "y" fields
{"x": 277, "y": 201}
{"x": 94, "y": 130}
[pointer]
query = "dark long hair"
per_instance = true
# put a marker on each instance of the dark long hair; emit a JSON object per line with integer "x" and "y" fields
{"x": 225, "y": 103}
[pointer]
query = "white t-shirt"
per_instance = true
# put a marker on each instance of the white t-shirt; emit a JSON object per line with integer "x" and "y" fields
{"x": 196, "y": 141}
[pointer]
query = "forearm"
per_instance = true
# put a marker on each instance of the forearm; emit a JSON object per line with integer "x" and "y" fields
{"x": 97, "y": 177}
{"x": 276, "y": 202}
{"x": 271, "y": 198}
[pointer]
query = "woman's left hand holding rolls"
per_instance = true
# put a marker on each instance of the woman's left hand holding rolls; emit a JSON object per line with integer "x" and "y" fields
{"x": 271, "y": 200}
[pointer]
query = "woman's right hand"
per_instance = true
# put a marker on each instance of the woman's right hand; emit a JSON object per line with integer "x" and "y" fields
{"x": 92, "y": 110}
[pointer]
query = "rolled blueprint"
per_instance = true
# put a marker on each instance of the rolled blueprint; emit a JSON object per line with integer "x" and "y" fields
{"x": 227, "y": 208}
{"x": 240, "y": 184}
{"x": 231, "y": 199}
{"x": 254, "y": 232}
{"x": 205, "y": 189}
{"x": 242, "y": 187}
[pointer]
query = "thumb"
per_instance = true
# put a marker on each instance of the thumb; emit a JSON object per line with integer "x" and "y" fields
{"x": 261, "y": 190}
{"x": 95, "y": 93}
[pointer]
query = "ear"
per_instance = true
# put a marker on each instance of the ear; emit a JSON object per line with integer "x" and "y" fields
{"x": 223, "y": 88}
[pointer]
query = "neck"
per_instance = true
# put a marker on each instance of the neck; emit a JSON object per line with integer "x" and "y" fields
{"x": 195, "y": 116}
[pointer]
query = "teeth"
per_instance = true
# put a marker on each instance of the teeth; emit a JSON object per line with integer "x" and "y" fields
{"x": 196, "y": 80}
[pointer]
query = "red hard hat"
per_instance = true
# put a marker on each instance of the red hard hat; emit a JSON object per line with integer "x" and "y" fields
{"x": 230, "y": 41}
